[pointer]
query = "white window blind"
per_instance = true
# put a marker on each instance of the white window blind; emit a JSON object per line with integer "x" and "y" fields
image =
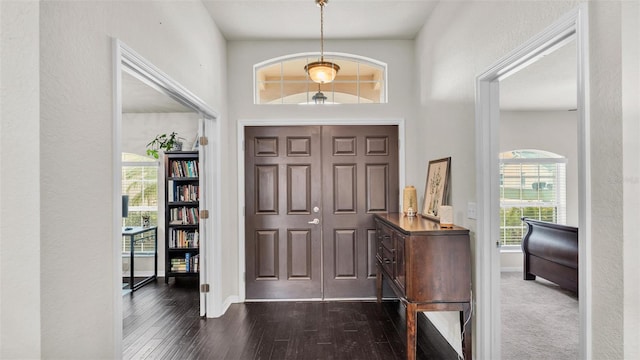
{"x": 533, "y": 185}
{"x": 140, "y": 182}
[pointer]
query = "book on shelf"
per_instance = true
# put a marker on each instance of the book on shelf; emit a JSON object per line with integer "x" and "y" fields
{"x": 186, "y": 193}
{"x": 178, "y": 265}
{"x": 189, "y": 264}
{"x": 184, "y": 216}
{"x": 179, "y": 238}
{"x": 195, "y": 263}
{"x": 184, "y": 168}
{"x": 171, "y": 191}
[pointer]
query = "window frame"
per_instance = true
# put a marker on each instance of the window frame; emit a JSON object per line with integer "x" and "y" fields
{"x": 560, "y": 199}
{"x": 384, "y": 98}
{"x": 156, "y": 165}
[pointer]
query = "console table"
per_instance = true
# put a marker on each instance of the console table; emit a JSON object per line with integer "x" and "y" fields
{"x": 138, "y": 234}
{"x": 428, "y": 268}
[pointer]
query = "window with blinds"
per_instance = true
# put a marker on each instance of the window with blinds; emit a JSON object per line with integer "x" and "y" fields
{"x": 533, "y": 185}
{"x": 140, "y": 182}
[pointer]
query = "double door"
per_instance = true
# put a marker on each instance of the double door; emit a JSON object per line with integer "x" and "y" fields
{"x": 311, "y": 192}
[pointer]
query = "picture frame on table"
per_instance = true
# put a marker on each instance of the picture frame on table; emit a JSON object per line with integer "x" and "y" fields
{"x": 436, "y": 190}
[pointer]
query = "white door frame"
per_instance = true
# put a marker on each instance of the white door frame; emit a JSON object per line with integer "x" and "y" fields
{"x": 126, "y": 59}
{"x": 487, "y": 277}
{"x": 298, "y": 122}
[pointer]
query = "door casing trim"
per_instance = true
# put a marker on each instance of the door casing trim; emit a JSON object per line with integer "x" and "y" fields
{"x": 297, "y": 122}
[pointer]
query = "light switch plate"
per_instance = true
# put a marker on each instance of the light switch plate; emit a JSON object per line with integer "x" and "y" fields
{"x": 472, "y": 210}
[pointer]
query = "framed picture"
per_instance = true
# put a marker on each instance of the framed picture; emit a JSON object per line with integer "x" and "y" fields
{"x": 437, "y": 187}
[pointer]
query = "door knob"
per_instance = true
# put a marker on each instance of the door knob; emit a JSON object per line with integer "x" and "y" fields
{"x": 315, "y": 221}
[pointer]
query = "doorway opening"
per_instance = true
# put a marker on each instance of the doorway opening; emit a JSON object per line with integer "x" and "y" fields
{"x": 140, "y": 75}
{"x": 488, "y": 142}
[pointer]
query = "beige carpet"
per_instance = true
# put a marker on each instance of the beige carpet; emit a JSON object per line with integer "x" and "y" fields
{"x": 539, "y": 320}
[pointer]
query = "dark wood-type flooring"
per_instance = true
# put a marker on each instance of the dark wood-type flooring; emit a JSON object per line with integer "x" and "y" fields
{"x": 162, "y": 322}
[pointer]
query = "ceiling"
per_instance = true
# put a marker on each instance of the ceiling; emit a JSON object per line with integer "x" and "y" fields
{"x": 138, "y": 97}
{"x": 300, "y": 19}
{"x": 549, "y": 84}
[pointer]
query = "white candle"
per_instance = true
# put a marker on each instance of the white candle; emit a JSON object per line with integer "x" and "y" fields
{"x": 446, "y": 215}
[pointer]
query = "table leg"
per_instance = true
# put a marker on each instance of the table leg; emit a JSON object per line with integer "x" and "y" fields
{"x": 155, "y": 253}
{"x": 466, "y": 340}
{"x": 131, "y": 263}
{"x": 411, "y": 331}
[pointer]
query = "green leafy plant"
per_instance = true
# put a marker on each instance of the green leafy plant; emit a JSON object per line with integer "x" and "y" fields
{"x": 164, "y": 142}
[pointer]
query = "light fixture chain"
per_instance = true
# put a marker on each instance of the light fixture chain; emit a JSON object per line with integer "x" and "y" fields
{"x": 322, "y": 31}
{"x": 322, "y": 72}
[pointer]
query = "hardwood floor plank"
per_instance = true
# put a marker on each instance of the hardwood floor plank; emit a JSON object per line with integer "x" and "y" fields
{"x": 163, "y": 322}
{"x": 279, "y": 350}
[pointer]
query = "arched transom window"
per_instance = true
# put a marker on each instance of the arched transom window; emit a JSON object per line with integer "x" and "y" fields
{"x": 284, "y": 81}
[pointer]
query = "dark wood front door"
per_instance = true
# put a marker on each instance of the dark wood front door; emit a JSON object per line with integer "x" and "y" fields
{"x": 310, "y": 195}
{"x": 360, "y": 178}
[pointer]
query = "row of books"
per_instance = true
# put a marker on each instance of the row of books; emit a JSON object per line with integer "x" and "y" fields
{"x": 190, "y": 263}
{"x": 184, "y": 216}
{"x": 184, "y": 238}
{"x": 187, "y": 192}
{"x": 184, "y": 168}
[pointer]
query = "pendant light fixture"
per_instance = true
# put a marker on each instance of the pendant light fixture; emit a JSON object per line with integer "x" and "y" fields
{"x": 319, "y": 97}
{"x": 322, "y": 72}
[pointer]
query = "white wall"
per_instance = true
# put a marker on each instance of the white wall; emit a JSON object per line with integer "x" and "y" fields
{"x": 138, "y": 129}
{"x": 607, "y": 300}
{"x": 244, "y": 54}
{"x": 19, "y": 178}
{"x": 462, "y": 40}
{"x": 76, "y": 70}
{"x": 631, "y": 148}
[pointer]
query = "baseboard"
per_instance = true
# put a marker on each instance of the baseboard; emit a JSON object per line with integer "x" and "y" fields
{"x": 234, "y": 299}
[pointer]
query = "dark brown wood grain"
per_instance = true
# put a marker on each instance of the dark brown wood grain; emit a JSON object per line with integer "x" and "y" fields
{"x": 162, "y": 322}
{"x": 428, "y": 268}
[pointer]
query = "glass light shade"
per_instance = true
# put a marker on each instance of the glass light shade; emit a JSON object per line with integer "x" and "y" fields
{"x": 322, "y": 72}
{"x": 319, "y": 98}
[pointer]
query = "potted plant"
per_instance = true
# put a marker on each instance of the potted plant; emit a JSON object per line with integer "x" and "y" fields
{"x": 164, "y": 142}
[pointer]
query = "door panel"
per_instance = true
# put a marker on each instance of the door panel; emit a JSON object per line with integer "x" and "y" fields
{"x": 360, "y": 178}
{"x": 299, "y": 254}
{"x": 348, "y": 173}
{"x": 345, "y": 255}
{"x": 282, "y": 185}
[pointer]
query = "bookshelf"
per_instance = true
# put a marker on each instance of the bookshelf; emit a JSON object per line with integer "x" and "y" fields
{"x": 182, "y": 200}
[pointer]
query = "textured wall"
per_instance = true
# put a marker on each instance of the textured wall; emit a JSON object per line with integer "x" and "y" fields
{"x": 19, "y": 178}
{"x": 607, "y": 264}
{"x": 76, "y": 150}
{"x": 631, "y": 148}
